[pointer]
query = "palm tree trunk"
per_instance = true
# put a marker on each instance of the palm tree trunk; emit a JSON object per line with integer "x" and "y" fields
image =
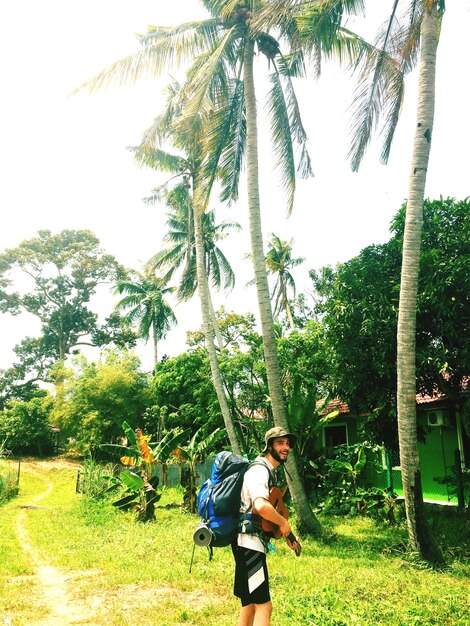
{"x": 203, "y": 289}
{"x": 307, "y": 521}
{"x": 419, "y": 535}
{"x": 286, "y": 305}
{"x": 214, "y": 322}
{"x": 155, "y": 348}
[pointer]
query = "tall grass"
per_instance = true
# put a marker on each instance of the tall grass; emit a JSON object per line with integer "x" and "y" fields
{"x": 93, "y": 480}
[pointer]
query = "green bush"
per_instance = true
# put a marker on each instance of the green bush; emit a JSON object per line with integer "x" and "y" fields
{"x": 26, "y": 426}
{"x": 8, "y": 479}
{"x": 8, "y": 485}
{"x": 342, "y": 488}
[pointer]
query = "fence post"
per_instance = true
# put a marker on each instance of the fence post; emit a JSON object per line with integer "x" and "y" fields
{"x": 389, "y": 472}
{"x": 78, "y": 482}
{"x": 459, "y": 480}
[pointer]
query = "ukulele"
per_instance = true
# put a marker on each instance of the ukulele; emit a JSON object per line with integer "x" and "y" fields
{"x": 271, "y": 529}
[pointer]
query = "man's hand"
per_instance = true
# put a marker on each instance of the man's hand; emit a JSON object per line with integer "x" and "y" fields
{"x": 284, "y": 527}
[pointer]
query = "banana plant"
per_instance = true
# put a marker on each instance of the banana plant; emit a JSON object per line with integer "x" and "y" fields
{"x": 138, "y": 484}
{"x": 192, "y": 454}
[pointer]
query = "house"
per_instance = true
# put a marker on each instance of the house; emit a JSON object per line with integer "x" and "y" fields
{"x": 446, "y": 443}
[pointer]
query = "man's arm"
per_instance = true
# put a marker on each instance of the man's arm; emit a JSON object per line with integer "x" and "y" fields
{"x": 269, "y": 513}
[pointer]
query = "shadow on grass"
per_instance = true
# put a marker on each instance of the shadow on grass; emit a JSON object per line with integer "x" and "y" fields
{"x": 365, "y": 538}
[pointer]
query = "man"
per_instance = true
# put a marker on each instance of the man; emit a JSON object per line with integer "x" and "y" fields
{"x": 249, "y": 550}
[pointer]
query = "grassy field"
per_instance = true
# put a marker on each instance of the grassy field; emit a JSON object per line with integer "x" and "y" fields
{"x": 106, "y": 569}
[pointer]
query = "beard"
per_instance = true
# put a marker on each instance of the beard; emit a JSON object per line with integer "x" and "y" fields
{"x": 276, "y": 456}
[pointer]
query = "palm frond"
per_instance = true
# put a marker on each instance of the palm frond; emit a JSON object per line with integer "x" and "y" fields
{"x": 295, "y": 121}
{"x": 225, "y": 143}
{"x": 197, "y": 89}
{"x": 161, "y": 160}
{"x": 380, "y": 91}
{"x": 225, "y": 270}
{"x": 282, "y": 137}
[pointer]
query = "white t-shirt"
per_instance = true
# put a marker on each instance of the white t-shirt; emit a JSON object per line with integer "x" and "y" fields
{"x": 255, "y": 485}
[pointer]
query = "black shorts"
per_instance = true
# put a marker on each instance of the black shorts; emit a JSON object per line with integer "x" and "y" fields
{"x": 251, "y": 576}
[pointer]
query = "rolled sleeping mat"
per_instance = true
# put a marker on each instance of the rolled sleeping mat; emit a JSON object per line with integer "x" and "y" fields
{"x": 202, "y": 535}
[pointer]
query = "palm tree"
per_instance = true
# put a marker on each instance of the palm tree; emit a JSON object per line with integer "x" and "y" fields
{"x": 180, "y": 251}
{"x": 145, "y": 304}
{"x": 186, "y": 171}
{"x": 279, "y": 262}
{"x": 222, "y": 75}
{"x": 382, "y": 89}
{"x": 180, "y": 237}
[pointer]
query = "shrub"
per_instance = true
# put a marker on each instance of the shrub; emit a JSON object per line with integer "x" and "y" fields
{"x": 8, "y": 479}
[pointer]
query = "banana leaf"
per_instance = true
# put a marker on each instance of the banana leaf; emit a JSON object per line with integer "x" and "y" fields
{"x": 126, "y": 502}
{"x": 131, "y": 480}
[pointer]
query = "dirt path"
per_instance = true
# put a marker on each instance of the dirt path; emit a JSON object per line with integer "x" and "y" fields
{"x": 52, "y": 584}
{"x": 55, "y": 595}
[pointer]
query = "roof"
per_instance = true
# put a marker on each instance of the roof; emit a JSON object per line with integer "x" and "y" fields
{"x": 421, "y": 399}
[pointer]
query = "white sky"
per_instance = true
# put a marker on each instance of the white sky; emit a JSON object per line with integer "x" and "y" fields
{"x": 64, "y": 162}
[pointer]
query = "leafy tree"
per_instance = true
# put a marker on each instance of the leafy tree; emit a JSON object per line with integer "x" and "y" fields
{"x": 26, "y": 427}
{"x": 279, "y": 262}
{"x": 53, "y": 277}
{"x": 358, "y": 303}
{"x": 224, "y": 47}
{"x": 145, "y": 304}
{"x": 183, "y": 386}
{"x": 100, "y": 396}
{"x": 180, "y": 236}
{"x": 189, "y": 140}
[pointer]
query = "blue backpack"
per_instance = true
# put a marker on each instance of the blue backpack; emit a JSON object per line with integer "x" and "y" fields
{"x": 218, "y": 501}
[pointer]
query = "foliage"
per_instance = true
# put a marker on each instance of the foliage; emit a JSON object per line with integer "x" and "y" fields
{"x": 341, "y": 486}
{"x": 95, "y": 478}
{"x": 279, "y": 263}
{"x": 358, "y": 305}
{"x": 146, "y": 305}
{"x": 180, "y": 251}
{"x": 26, "y": 425}
{"x": 183, "y": 385}
{"x": 100, "y": 395}
{"x": 138, "y": 485}
{"x": 9, "y": 482}
{"x": 54, "y": 277}
{"x": 194, "y": 453}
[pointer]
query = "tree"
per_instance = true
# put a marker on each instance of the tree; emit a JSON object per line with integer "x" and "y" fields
{"x": 145, "y": 304}
{"x": 358, "y": 306}
{"x": 279, "y": 262}
{"x": 25, "y": 425}
{"x": 183, "y": 388}
{"x": 180, "y": 237}
{"x": 100, "y": 396}
{"x": 168, "y": 125}
{"x": 224, "y": 44}
{"x": 53, "y": 278}
{"x": 181, "y": 248}
{"x": 398, "y": 53}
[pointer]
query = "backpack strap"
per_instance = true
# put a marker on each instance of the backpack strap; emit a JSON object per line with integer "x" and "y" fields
{"x": 272, "y": 478}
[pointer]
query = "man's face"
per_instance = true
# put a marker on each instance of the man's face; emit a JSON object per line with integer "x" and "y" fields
{"x": 280, "y": 448}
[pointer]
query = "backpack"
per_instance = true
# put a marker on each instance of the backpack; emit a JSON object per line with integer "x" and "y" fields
{"x": 218, "y": 500}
